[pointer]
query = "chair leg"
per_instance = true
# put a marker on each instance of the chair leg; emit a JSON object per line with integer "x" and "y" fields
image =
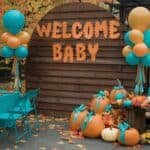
{"x": 27, "y": 128}
{"x": 37, "y": 123}
{"x": 16, "y": 133}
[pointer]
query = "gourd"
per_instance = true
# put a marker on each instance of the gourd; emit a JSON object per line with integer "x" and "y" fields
{"x": 146, "y": 103}
{"x": 77, "y": 116}
{"x": 118, "y": 93}
{"x": 145, "y": 137}
{"x": 128, "y": 136}
{"x": 92, "y": 125}
{"x": 138, "y": 100}
{"x": 110, "y": 134}
{"x": 99, "y": 102}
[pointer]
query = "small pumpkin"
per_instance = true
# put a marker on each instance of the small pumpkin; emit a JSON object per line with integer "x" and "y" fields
{"x": 128, "y": 136}
{"x": 145, "y": 138}
{"x": 110, "y": 134}
{"x": 77, "y": 116}
{"x": 92, "y": 125}
{"x": 146, "y": 103}
{"x": 117, "y": 93}
{"x": 99, "y": 102}
{"x": 138, "y": 100}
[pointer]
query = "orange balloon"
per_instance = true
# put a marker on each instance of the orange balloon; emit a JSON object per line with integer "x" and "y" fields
{"x": 136, "y": 36}
{"x": 140, "y": 49}
{"x": 24, "y": 37}
{"x": 13, "y": 42}
{"x": 126, "y": 50}
{"x": 139, "y": 18}
{"x": 5, "y": 36}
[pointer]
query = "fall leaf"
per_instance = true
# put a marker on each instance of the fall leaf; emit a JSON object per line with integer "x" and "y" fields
{"x": 70, "y": 141}
{"x": 15, "y": 147}
{"x": 80, "y": 146}
{"x": 35, "y": 135}
{"x": 60, "y": 142}
{"x": 42, "y": 148}
{"x": 22, "y": 141}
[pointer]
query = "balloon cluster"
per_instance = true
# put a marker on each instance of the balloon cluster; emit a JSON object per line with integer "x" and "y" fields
{"x": 15, "y": 39}
{"x": 138, "y": 39}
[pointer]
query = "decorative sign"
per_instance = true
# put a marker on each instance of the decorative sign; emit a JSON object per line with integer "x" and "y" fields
{"x": 75, "y": 51}
{"x": 88, "y": 30}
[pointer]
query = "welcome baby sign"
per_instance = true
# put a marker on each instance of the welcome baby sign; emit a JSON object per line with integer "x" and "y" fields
{"x": 75, "y": 41}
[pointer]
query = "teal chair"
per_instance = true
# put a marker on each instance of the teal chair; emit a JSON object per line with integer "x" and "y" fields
{"x": 8, "y": 117}
{"x": 28, "y": 105}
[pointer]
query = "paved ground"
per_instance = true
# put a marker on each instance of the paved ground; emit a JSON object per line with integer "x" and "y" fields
{"x": 54, "y": 136}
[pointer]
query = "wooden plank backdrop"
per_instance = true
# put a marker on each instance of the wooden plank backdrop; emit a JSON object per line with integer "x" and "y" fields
{"x": 64, "y": 85}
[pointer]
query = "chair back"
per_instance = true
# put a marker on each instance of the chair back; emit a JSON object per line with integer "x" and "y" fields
{"x": 32, "y": 95}
{"x": 29, "y": 98}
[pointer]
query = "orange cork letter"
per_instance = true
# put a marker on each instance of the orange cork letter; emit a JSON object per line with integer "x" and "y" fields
{"x": 93, "y": 49}
{"x": 68, "y": 54}
{"x": 57, "y": 54}
{"x": 43, "y": 30}
{"x": 80, "y": 52}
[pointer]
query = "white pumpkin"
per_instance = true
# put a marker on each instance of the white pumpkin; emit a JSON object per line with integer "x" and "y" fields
{"x": 109, "y": 134}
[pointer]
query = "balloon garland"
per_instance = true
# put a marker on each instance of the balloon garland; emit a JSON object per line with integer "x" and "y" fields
{"x": 137, "y": 49}
{"x": 15, "y": 41}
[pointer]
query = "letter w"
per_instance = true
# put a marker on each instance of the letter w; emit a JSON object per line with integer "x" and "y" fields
{"x": 44, "y": 30}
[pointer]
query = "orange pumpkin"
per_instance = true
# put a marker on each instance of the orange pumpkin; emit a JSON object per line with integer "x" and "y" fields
{"x": 119, "y": 89}
{"x": 77, "y": 116}
{"x": 138, "y": 100}
{"x": 131, "y": 137}
{"x": 99, "y": 102}
{"x": 92, "y": 125}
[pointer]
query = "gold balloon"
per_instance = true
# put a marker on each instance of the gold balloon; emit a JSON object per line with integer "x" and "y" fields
{"x": 136, "y": 36}
{"x": 24, "y": 37}
{"x": 126, "y": 50}
{"x": 139, "y": 18}
{"x": 13, "y": 42}
{"x": 5, "y": 36}
{"x": 140, "y": 49}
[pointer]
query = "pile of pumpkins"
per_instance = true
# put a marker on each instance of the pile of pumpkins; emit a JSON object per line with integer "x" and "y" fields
{"x": 99, "y": 119}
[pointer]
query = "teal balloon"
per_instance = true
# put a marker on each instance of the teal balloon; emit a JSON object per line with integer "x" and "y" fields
{"x": 131, "y": 59}
{"x": 147, "y": 38}
{"x": 21, "y": 52}
{"x": 13, "y": 21}
{"x": 7, "y": 52}
{"x": 146, "y": 60}
{"x": 127, "y": 103}
{"x": 127, "y": 39}
{"x": 119, "y": 96}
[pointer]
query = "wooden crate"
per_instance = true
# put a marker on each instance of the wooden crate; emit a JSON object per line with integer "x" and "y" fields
{"x": 136, "y": 116}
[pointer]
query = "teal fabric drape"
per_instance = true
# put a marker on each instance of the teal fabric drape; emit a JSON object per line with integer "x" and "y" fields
{"x": 140, "y": 80}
